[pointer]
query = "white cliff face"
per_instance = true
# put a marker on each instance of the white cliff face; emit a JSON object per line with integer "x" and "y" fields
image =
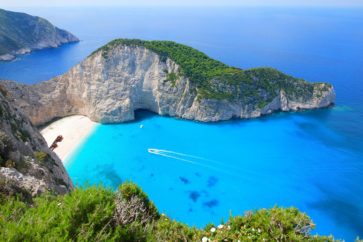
{"x": 108, "y": 88}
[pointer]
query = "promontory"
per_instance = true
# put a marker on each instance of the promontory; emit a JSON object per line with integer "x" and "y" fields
{"x": 21, "y": 33}
{"x": 166, "y": 78}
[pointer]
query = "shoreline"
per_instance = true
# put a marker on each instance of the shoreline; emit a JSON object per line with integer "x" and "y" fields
{"x": 74, "y": 129}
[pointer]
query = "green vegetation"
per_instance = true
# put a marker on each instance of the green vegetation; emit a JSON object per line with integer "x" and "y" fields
{"x": 215, "y": 80}
{"x": 94, "y": 214}
{"x": 172, "y": 77}
{"x": 10, "y": 164}
{"x": 83, "y": 214}
{"x": 130, "y": 190}
{"x": 15, "y": 31}
{"x": 41, "y": 156}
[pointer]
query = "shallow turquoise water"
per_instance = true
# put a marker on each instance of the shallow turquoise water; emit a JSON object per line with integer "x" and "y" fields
{"x": 312, "y": 160}
{"x": 199, "y": 173}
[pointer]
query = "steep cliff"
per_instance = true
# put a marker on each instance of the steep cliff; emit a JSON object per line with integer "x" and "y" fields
{"x": 27, "y": 166}
{"x": 166, "y": 78}
{"x": 21, "y": 33}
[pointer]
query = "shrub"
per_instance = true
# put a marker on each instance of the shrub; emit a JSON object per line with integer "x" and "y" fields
{"x": 41, "y": 156}
{"x": 87, "y": 214}
{"x": 10, "y": 164}
{"x": 84, "y": 215}
{"x": 166, "y": 229}
{"x": 129, "y": 191}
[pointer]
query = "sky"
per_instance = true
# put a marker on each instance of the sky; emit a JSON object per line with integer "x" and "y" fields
{"x": 55, "y": 3}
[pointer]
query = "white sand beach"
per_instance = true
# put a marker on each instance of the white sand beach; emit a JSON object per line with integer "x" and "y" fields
{"x": 74, "y": 129}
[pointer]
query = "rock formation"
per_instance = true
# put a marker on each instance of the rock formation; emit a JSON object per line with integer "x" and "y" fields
{"x": 27, "y": 166}
{"x": 123, "y": 77}
{"x": 21, "y": 33}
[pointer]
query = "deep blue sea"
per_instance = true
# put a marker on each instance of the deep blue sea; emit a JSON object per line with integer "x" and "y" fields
{"x": 199, "y": 173}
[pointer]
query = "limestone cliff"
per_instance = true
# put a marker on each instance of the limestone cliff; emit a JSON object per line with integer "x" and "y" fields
{"x": 27, "y": 166}
{"x": 21, "y": 33}
{"x": 126, "y": 76}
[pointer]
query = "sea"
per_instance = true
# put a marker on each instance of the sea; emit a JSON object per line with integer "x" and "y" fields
{"x": 199, "y": 173}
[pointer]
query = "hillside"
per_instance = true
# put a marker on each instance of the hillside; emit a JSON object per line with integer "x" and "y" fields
{"x": 21, "y": 33}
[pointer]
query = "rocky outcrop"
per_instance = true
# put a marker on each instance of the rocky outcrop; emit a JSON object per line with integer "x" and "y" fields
{"x": 109, "y": 86}
{"x": 21, "y": 33}
{"x": 27, "y": 166}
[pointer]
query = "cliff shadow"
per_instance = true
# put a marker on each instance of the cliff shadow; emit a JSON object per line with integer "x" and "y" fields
{"x": 143, "y": 114}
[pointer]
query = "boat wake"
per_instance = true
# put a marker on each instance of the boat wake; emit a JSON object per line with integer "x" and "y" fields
{"x": 198, "y": 161}
{"x": 207, "y": 163}
{"x": 182, "y": 157}
{"x": 245, "y": 173}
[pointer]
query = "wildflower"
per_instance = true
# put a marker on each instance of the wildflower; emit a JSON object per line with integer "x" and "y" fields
{"x": 205, "y": 239}
{"x": 213, "y": 230}
{"x": 220, "y": 226}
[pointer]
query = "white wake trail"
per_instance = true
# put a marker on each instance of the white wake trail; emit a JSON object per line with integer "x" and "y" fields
{"x": 166, "y": 153}
{"x": 159, "y": 151}
{"x": 220, "y": 167}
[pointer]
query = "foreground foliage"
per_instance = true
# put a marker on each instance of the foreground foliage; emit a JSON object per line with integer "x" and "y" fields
{"x": 92, "y": 214}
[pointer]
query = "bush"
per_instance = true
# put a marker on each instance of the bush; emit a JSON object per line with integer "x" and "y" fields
{"x": 166, "y": 229}
{"x": 10, "y": 164}
{"x": 84, "y": 214}
{"x": 41, "y": 156}
{"x": 87, "y": 214}
{"x": 129, "y": 191}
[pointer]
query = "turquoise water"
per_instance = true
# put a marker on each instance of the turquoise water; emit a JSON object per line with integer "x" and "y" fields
{"x": 198, "y": 173}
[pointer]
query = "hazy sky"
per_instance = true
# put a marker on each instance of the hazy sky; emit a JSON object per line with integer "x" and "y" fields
{"x": 27, "y": 3}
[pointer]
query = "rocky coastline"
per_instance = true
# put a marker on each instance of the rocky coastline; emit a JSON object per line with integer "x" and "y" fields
{"x": 110, "y": 88}
{"x": 22, "y": 33}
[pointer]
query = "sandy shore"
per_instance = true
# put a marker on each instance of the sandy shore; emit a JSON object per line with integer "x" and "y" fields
{"x": 74, "y": 129}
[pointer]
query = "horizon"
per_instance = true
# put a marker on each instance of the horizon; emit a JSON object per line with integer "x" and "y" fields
{"x": 180, "y": 3}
